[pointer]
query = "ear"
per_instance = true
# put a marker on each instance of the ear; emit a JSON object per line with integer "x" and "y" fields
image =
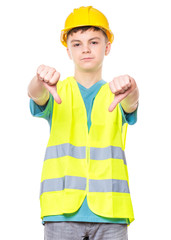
{"x": 69, "y": 53}
{"x": 108, "y": 47}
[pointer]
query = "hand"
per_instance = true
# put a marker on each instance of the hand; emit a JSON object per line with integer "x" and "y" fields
{"x": 121, "y": 86}
{"x": 49, "y": 78}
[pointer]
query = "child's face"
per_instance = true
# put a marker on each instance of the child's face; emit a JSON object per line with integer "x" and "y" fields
{"x": 87, "y": 49}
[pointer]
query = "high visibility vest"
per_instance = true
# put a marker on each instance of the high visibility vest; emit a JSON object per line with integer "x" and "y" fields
{"x": 79, "y": 163}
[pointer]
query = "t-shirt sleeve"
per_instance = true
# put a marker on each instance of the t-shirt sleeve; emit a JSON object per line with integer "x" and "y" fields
{"x": 42, "y": 111}
{"x": 130, "y": 118}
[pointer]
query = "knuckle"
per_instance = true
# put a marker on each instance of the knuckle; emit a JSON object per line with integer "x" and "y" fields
{"x": 122, "y": 83}
{"x": 46, "y": 68}
{"x": 50, "y": 83}
{"x": 57, "y": 75}
{"x": 42, "y": 66}
{"x": 41, "y": 76}
{"x": 127, "y": 77}
{"x": 112, "y": 86}
{"x": 39, "y": 68}
{"x": 46, "y": 79}
{"x": 53, "y": 69}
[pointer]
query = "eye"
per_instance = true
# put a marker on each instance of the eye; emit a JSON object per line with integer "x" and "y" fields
{"x": 76, "y": 45}
{"x": 94, "y": 42}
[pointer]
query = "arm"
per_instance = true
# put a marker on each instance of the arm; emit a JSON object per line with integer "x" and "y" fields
{"x": 130, "y": 103}
{"x": 126, "y": 92}
{"x": 44, "y": 82}
{"x": 38, "y": 92}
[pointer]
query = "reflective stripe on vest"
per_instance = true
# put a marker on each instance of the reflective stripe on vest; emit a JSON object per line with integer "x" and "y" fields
{"x": 79, "y": 183}
{"x": 106, "y": 153}
{"x": 65, "y": 149}
{"x": 59, "y": 184}
{"x": 80, "y": 152}
{"x": 108, "y": 185}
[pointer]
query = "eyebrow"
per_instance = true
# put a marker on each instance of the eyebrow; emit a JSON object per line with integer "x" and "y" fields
{"x": 75, "y": 40}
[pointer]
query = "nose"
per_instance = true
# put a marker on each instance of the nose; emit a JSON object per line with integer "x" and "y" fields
{"x": 86, "y": 49}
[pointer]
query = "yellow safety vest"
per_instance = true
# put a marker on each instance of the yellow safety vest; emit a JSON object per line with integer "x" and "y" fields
{"x": 78, "y": 163}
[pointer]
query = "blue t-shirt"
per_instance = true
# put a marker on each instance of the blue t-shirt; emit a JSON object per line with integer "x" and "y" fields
{"x": 84, "y": 214}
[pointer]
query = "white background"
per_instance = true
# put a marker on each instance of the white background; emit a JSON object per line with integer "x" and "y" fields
{"x": 30, "y": 32}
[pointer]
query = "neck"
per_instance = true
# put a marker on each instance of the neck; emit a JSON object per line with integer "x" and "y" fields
{"x": 88, "y": 79}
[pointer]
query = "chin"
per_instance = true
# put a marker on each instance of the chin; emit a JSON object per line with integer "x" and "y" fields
{"x": 90, "y": 68}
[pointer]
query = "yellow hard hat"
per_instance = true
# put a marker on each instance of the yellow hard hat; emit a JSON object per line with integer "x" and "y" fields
{"x": 86, "y": 16}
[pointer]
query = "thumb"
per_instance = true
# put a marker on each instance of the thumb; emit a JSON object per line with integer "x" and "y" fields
{"x": 119, "y": 97}
{"x": 53, "y": 90}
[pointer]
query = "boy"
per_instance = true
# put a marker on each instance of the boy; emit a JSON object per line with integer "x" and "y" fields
{"x": 84, "y": 186}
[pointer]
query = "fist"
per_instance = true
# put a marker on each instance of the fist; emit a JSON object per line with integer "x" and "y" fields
{"x": 48, "y": 75}
{"x": 49, "y": 78}
{"x": 121, "y": 87}
{"x": 120, "y": 84}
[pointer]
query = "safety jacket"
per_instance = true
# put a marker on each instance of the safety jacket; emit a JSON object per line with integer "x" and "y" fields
{"x": 78, "y": 163}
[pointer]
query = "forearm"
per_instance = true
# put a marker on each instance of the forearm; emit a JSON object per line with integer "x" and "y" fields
{"x": 38, "y": 92}
{"x": 130, "y": 103}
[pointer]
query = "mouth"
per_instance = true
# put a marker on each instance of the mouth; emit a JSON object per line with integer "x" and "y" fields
{"x": 87, "y": 59}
